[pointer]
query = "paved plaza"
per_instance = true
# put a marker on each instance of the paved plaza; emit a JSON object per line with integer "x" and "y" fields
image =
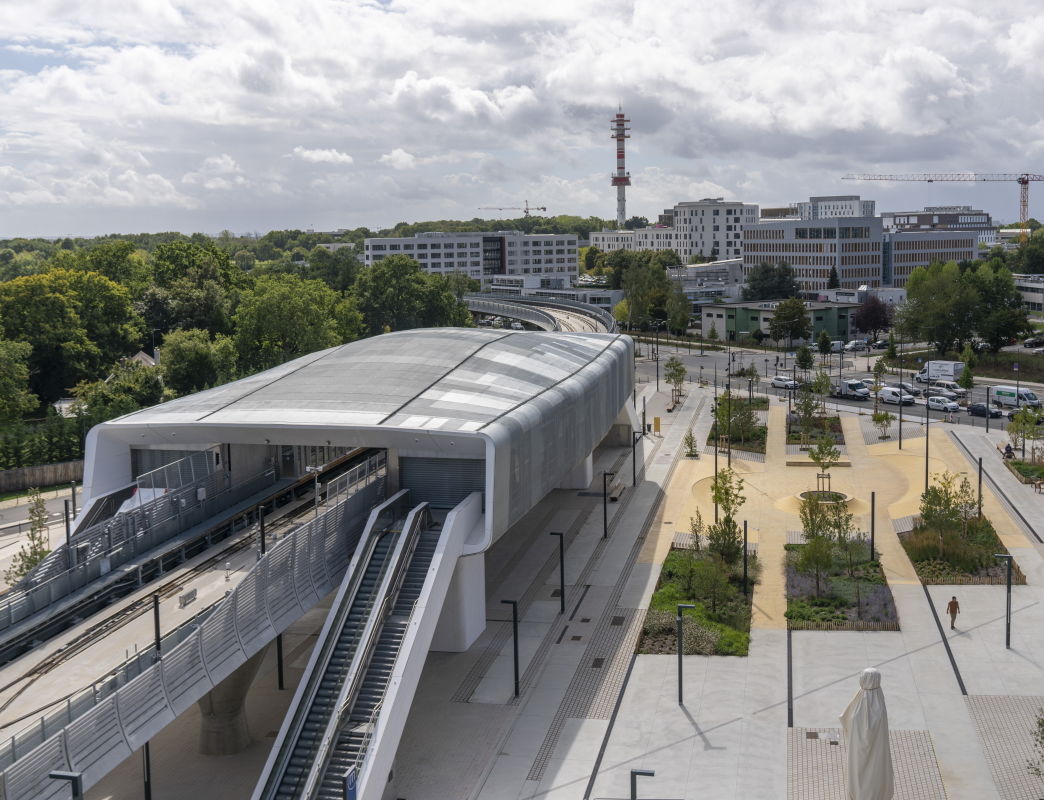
{"x": 765, "y": 726}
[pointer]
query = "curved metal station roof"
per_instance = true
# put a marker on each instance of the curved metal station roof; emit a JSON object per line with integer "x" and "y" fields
{"x": 445, "y": 379}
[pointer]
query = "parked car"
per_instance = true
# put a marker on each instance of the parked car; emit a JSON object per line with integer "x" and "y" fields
{"x": 869, "y": 383}
{"x": 1014, "y": 411}
{"x": 890, "y": 394}
{"x": 983, "y": 410}
{"x": 880, "y": 344}
{"x": 1037, "y": 350}
{"x": 909, "y": 388}
{"x": 938, "y": 391}
{"x": 942, "y": 404}
{"x": 1033, "y": 341}
{"x": 951, "y": 386}
{"x": 783, "y": 382}
{"x": 855, "y": 346}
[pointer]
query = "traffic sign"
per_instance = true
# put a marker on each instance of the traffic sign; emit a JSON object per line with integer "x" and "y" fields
{"x": 350, "y": 785}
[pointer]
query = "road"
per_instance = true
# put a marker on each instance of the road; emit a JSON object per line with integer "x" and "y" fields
{"x": 712, "y": 366}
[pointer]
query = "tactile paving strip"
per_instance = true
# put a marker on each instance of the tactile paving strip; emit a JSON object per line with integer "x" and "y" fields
{"x": 1005, "y": 725}
{"x": 816, "y": 764}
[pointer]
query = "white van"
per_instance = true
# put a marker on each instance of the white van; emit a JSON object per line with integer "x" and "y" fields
{"x": 837, "y": 347}
{"x": 889, "y": 394}
{"x": 856, "y": 346}
{"x": 1012, "y": 397}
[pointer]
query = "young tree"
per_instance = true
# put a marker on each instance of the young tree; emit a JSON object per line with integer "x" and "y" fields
{"x": 815, "y": 518}
{"x": 821, "y": 386}
{"x": 727, "y": 494}
{"x": 805, "y": 408}
{"x": 710, "y": 583}
{"x": 823, "y": 343}
{"x": 882, "y": 421}
{"x": 36, "y": 546}
{"x": 1023, "y": 426}
{"x": 758, "y": 336}
{"x": 690, "y": 444}
{"x": 879, "y": 372}
{"x": 817, "y": 556}
{"x": 713, "y": 335}
{"x": 833, "y": 282}
{"x": 723, "y": 540}
{"x": 804, "y": 358}
{"x": 674, "y": 372}
{"x": 825, "y": 454}
{"x": 890, "y": 352}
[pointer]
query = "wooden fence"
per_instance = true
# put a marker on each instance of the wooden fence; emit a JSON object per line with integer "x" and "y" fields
{"x": 17, "y": 480}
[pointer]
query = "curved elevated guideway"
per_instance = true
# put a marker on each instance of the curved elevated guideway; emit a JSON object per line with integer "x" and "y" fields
{"x": 545, "y": 313}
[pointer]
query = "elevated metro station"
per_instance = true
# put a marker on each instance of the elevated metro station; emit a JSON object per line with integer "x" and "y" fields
{"x": 456, "y": 435}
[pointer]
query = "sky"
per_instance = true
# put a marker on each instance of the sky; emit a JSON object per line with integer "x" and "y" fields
{"x": 252, "y": 115}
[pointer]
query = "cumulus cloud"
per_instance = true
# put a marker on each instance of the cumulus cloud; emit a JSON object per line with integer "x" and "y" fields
{"x": 322, "y": 156}
{"x": 173, "y": 105}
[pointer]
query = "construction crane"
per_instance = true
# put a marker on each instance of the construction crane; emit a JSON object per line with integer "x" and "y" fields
{"x": 525, "y": 210}
{"x": 1021, "y": 178}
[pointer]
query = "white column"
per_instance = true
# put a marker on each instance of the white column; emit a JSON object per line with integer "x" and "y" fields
{"x": 463, "y": 616}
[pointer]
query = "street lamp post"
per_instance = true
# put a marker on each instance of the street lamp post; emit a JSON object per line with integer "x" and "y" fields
{"x": 635, "y": 775}
{"x": 514, "y": 634}
{"x": 927, "y": 430}
{"x": 561, "y": 570}
{"x": 75, "y": 780}
{"x": 746, "y": 589}
{"x": 605, "y": 502}
{"x": 681, "y": 607}
{"x": 635, "y": 436}
{"x": 980, "y": 484}
{"x": 1007, "y": 611}
{"x": 728, "y": 429}
{"x": 987, "y": 409}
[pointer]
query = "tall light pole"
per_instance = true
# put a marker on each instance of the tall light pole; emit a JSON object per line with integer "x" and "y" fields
{"x": 1007, "y": 613}
{"x": 561, "y": 569}
{"x": 605, "y": 502}
{"x": 681, "y": 607}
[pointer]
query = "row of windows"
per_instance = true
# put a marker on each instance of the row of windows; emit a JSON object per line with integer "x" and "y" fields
{"x": 933, "y": 245}
{"x": 791, "y": 247}
{"x": 842, "y": 232}
{"x": 861, "y": 247}
{"x": 927, "y": 258}
{"x": 763, "y": 233}
{"x": 853, "y": 260}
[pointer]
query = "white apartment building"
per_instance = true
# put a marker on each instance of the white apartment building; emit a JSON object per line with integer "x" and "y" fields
{"x": 548, "y": 261}
{"x": 709, "y": 228}
{"x": 840, "y": 205}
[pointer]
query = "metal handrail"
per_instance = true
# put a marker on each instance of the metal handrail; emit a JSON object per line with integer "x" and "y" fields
{"x": 365, "y": 550}
{"x": 370, "y": 635}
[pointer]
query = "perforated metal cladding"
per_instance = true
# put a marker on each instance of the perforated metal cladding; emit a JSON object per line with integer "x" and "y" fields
{"x": 442, "y": 482}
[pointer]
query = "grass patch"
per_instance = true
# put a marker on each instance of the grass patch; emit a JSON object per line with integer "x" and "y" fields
{"x": 1026, "y": 469}
{"x": 948, "y": 555}
{"x": 857, "y": 601}
{"x": 720, "y": 623}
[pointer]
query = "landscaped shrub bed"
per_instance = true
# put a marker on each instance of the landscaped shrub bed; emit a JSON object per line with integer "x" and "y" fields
{"x": 951, "y": 543}
{"x": 1025, "y": 469}
{"x": 942, "y": 555}
{"x": 745, "y": 430}
{"x": 720, "y": 623}
{"x": 823, "y": 426}
{"x": 848, "y": 597}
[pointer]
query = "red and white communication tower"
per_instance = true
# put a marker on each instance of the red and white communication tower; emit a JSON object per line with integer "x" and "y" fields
{"x": 622, "y": 178}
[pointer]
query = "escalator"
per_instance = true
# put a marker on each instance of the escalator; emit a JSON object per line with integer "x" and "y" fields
{"x": 359, "y": 721}
{"x": 350, "y": 637}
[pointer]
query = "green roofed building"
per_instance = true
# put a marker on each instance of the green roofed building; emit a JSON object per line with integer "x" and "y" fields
{"x": 738, "y": 321}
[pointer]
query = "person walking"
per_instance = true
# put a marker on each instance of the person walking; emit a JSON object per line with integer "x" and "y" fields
{"x": 953, "y": 608}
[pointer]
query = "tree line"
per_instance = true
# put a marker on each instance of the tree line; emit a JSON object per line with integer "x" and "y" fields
{"x": 70, "y": 326}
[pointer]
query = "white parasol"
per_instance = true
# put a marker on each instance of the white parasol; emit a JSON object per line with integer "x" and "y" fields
{"x": 865, "y": 725}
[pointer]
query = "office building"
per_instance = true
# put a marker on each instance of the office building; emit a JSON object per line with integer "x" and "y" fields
{"x": 709, "y": 228}
{"x": 943, "y": 218}
{"x": 830, "y": 206}
{"x": 542, "y": 260}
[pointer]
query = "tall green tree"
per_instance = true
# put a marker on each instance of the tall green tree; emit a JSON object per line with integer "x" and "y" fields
{"x": 15, "y": 397}
{"x": 770, "y": 282}
{"x": 833, "y": 282}
{"x": 77, "y": 324}
{"x": 191, "y": 361}
{"x": 128, "y": 387}
{"x": 679, "y": 310}
{"x": 940, "y": 306}
{"x": 790, "y": 321}
{"x": 282, "y": 317}
{"x": 395, "y": 294}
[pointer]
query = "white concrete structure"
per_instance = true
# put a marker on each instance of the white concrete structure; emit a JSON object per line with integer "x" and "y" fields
{"x": 829, "y": 206}
{"x": 511, "y": 415}
{"x": 1031, "y": 287}
{"x": 943, "y": 218}
{"x": 546, "y": 260}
